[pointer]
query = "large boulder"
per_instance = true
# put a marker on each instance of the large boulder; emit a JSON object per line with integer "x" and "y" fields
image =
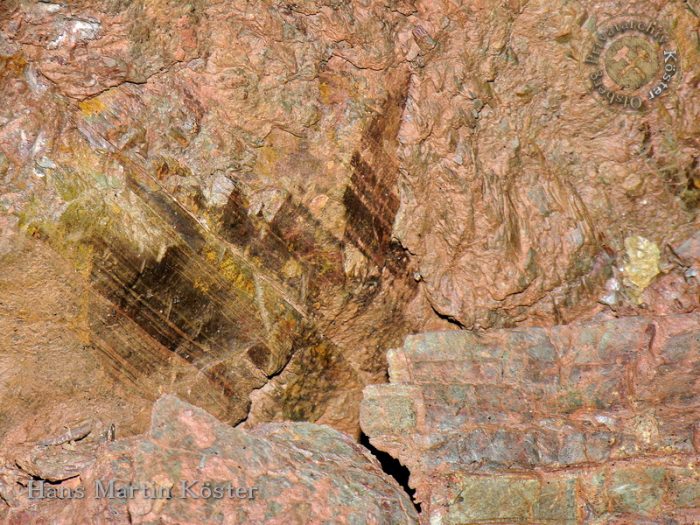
{"x": 190, "y": 468}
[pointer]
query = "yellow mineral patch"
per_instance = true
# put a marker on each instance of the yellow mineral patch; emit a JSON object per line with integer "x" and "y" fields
{"x": 13, "y": 65}
{"x": 83, "y": 257}
{"x": 325, "y": 91}
{"x": 642, "y": 264}
{"x": 91, "y": 106}
{"x": 269, "y": 154}
{"x": 232, "y": 273}
{"x": 211, "y": 256}
{"x": 68, "y": 185}
{"x": 201, "y": 285}
{"x": 267, "y": 159}
{"x": 291, "y": 269}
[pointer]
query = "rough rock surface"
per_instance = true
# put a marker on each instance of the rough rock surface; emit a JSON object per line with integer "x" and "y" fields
{"x": 584, "y": 423}
{"x": 518, "y": 185}
{"x": 262, "y": 197}
{"x": 246, "y": 202}
{"x": 227, "y": 228}
{"x": 50, "y": 375}
{"x": 289, "y": 473}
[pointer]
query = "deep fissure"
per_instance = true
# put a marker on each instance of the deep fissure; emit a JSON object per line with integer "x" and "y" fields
{"x": 393, "y": 467}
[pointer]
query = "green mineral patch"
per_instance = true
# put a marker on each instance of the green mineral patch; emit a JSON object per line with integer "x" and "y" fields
{"x": 685, "y": 485}
{"x": 106, "y": 182}
{"x": 691, "y": 195}
{"x": 571, "y": 401}
{"x": 68, "y": 185}
{"x": 494, "y": 499}
{"x": 637, "y": 489}
{"x": 4, "y": 163}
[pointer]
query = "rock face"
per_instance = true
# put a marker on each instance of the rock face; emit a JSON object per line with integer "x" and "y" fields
{"x": 262, "y": 197}
{"x": 297, "y": 473}
{"x": 244, "y": 203}
{"x": 226, "y": 228}
{"x": 518, "y": 185}
{"x": 588, "y": 423}
{"x": 49, "y": 375}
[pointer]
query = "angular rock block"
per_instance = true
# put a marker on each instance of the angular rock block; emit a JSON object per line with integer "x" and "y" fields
{"x": 586, "y": 423}
{"x": 641, "y": 493}
{"x": 191, "y": 468}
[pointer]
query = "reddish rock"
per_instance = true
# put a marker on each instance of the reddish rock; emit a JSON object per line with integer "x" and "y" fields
{"x": 260, "y": 199}
{"x": 582, "y": 423}
{"x": 192, "y": 469}
{"x": 225, "y": 188}
{"x": 244, "y": 203}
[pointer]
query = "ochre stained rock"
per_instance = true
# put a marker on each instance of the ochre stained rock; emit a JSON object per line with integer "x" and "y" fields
{"x": 50, "y": 373}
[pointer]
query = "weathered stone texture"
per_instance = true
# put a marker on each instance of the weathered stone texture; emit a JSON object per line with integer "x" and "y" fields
{"x": 249, "y": 201}
{"x": 518, "y": 186}
{"x": 583, "y": 423}
{"x": 195, "y": 163}
{"x": 243, "y": 182}
{"x": 302, "y": 473}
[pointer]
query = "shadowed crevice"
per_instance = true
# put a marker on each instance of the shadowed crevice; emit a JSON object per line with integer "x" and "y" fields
{"x": 392, "y": 467}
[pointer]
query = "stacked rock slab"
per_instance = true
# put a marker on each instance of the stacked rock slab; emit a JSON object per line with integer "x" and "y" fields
{"x": 591, "y": 423}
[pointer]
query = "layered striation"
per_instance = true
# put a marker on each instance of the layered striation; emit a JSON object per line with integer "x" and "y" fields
{"x": 584, "y": 423}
